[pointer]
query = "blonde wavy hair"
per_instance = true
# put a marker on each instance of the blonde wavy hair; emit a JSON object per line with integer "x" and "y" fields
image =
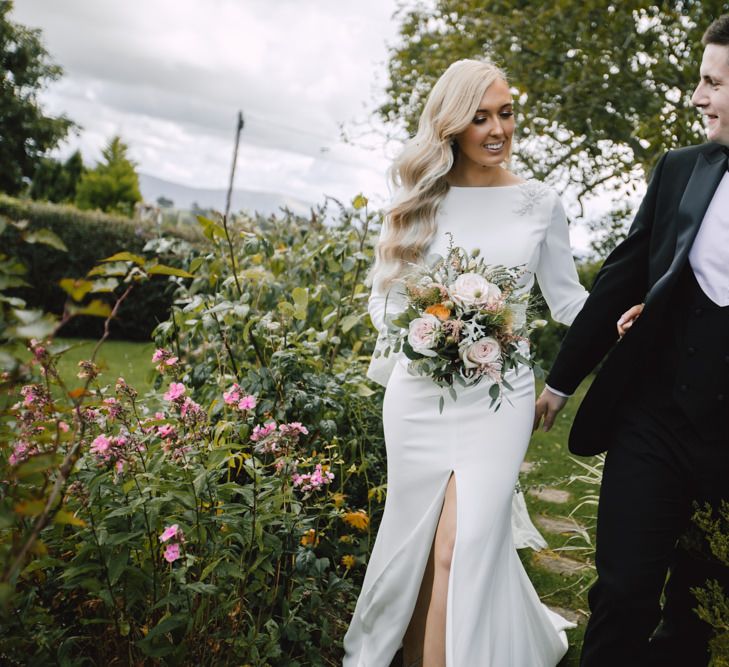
{"x": 418, "y": 175}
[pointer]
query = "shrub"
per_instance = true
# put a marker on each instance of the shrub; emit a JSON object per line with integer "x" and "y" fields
{"x": 185, "y": 527}
{"x": 88, "y": 237}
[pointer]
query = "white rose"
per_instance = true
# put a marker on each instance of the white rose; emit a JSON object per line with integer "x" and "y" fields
{"x": 471, "y": 289}
{"x": 483, "y": 356}
{"x": 423, "y": 334}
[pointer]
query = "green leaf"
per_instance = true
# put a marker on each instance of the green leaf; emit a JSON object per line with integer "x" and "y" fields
{"x": 364, "y": 390}
{"x": 37, "y": 463}
{"x": 97, "y": 308}
{"x": 46, "y": 237}
{"x": 104, "y": 285}
{"x": 29, "y": 507}
{"x": 163, "y": 270}
{"x": 117, "y": 564}
{"x": 301, "y": 301}
{"x": 110, "y": 269}
{"x": 349, "y": 321}
{"x": 66, "y": 518}
{"x": 125, "y": 257}
{"x": 76, "y": 289}
{"x": 211, "y": 229}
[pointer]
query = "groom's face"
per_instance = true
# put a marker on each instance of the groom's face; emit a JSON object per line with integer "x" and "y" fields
{"x": 711, "y": 96}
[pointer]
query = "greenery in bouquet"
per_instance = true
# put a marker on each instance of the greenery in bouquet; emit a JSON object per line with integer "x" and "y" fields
{"x": 464, "y": 321}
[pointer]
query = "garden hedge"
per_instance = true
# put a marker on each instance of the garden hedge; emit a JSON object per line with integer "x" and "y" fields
{"x": 89, "y": 237}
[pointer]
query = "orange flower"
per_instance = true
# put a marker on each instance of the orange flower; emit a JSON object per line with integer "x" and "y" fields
{"x": 338, "y": 499}
{"x": 348, "y": 561}
{"x": 358, "y": 520}
{"x": 309, "y": 538}
{"x": 439, "y": 310}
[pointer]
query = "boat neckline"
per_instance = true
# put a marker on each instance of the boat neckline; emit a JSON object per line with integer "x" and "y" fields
{"x": 487, "y": 187}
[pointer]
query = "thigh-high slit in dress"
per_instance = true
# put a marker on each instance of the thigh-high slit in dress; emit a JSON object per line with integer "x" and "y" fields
{"x": 494, "y": 616}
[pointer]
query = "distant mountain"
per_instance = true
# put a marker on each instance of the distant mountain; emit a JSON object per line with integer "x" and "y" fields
{"x": 184, "y": 197}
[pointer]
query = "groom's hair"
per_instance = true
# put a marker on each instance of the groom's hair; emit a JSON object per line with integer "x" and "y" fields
{"x": 717, "y": 32}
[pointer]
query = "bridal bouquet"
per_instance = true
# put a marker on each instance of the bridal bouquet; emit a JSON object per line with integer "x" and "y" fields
{"x": 460, "y": 324}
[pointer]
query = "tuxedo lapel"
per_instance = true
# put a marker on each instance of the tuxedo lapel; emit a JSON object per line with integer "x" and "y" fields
{"x": 708, "y": 171}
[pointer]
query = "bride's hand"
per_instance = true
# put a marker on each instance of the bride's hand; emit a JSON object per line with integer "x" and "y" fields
{"x": 628, "y": 318}
{"x": 548, "y": 406}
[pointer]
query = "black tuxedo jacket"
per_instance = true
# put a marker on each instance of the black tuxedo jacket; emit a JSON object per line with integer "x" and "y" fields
{"x": 644, "y": 268}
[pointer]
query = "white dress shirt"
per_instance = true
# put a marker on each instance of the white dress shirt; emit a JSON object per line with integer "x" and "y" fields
{"x": 709, "y": 256}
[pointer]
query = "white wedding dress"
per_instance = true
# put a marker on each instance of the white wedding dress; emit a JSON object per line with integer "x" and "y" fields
{"x": 494, "y": 616}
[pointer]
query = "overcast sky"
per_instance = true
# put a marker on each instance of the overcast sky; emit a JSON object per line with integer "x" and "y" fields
{"x": 170, "y": 75}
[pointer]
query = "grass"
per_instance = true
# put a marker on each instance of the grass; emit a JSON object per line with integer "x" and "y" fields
{"x": 555, "y": 467}
{"x": 132, "y": 361}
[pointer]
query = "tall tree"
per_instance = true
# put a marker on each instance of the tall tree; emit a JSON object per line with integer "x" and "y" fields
{"x": 57, "y": 181}
{"x": 603, "y": 87}
{"x": 113, "y": 185}
{"x": 26, "y": 133}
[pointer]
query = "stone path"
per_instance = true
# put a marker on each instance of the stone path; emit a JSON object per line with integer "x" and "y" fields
{"x": 550, "y": 495}
{"x": 553, "y": 562}
{"x": 559, "y": 525}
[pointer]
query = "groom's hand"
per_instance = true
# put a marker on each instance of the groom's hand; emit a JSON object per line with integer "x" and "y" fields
{"x": 548, "y": 406}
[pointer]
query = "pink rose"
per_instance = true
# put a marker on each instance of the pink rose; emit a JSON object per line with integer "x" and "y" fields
{"x": 423, "y": 334}
{"x": 483, "y": 356}
{"x": 471, "y": 289}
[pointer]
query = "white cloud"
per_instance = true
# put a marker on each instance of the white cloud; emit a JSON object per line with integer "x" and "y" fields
{"x": 170, "y": 76}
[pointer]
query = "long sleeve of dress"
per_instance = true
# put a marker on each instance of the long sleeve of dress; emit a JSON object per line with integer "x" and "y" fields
{"x": 556, "y": 272}
{"x": 382, "y": 303}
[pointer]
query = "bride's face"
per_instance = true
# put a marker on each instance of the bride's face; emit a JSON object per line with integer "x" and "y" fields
{"x": 486, "y": 142}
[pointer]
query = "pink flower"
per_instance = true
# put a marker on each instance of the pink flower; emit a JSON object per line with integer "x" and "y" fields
{"x": 293, "y": 427}
{"x": 29, "y": 394}
{"x": 232, "y": 395}
{"x": 100, "y": 446}
{"x": 176, "y": 390}
{"x": 166, "y": 431}
{"x": 63, "y": 426}
{"x": 472, "y": 289}
{"x": 423, "y": 334}
{"x": 260, "y": 432}
{"x": 159, "y": 415}
{"x": 169, "y": 532}
{"x": 20, "y": 452}
{"x": 171, "y": 361}
{"x": 314, "y": 480}
{"x": 158, "y": 355}
{"x": 189, "y": 406}
{"x": 119, "y": 466}
{"x": 483, "y": 358}
{"x": 247, "y": 403}
{"x": 172, "y": 553}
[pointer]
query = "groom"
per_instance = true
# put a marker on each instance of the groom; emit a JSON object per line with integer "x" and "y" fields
{"x": 660, "y": 402}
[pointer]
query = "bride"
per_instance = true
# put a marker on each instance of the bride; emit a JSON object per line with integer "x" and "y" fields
{"x": 444, "y": 580}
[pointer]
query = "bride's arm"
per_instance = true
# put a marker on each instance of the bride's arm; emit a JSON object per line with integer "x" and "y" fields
{"x": 556, "y": 272}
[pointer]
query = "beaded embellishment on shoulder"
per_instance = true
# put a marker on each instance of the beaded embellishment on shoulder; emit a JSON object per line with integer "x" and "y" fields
{"x": 532, "y": 192}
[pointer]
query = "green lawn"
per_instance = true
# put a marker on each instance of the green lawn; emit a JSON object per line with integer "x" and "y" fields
{"x": 132, "y": 361}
